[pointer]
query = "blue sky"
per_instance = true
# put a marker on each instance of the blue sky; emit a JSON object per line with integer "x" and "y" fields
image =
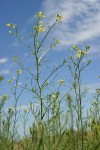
{"x": 80, "y": 26}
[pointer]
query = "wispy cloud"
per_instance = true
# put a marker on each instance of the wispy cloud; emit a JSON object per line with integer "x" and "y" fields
{"x": 92, "y": 87}
{"x": 4, "y": 72}
{"x": 3, "y": 60}
{"x": 94, "y": 52}
{"x": 81, "y": 20}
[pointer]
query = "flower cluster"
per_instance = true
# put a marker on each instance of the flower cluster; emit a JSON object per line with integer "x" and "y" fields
{"x": 81, "y": 53}
{"x": 19, "y": 72}
{"x": 41, "y": 15}
{"x": 11, "y": 25}
{"x": 58, "y": 18}
{"x": 75, "y": 47}
{"x": 40, "y": 28}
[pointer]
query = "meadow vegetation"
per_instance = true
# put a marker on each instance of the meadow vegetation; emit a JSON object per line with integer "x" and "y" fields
{"x": 60, "y": 121}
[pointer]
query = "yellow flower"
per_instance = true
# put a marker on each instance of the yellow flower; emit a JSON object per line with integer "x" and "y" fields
{"x": 58, "y": 18}
{"x": 79, "y": 54}
{"x": 40, "y": 28}
{"x": 58, "y": 41}
{"x": 75, "y": 47}
{"x": 19, "y": 72}
{"x": 41, "y": 15}
{"x": 9, "y": 25}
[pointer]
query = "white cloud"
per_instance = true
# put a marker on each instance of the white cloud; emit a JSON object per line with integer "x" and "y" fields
{"x": 3, "y": 60}
{"x": 92, "y": 87}
{"x": 94, "y": 50}
{"x": 81, "y": 20}
{"x": 4, "y": 72}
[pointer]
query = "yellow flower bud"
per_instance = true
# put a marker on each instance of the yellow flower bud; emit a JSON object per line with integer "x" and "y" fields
{"x": 9, "y": 81}
{"x": 58, "y": 18}
{"x": 61, "y": 82}
{"x": 41, "y": 15}
{"x": 19, "y": 72}
{"x": 5, "y": 96}
{"x": 40, "y": 28}
{"x": 75, "y": 47}
{"x": 79, "y": 54}
{"x": 9, "y": 25}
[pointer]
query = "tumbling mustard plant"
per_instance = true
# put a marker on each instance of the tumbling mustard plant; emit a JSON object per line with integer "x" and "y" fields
{"x": 57, "y": 110}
